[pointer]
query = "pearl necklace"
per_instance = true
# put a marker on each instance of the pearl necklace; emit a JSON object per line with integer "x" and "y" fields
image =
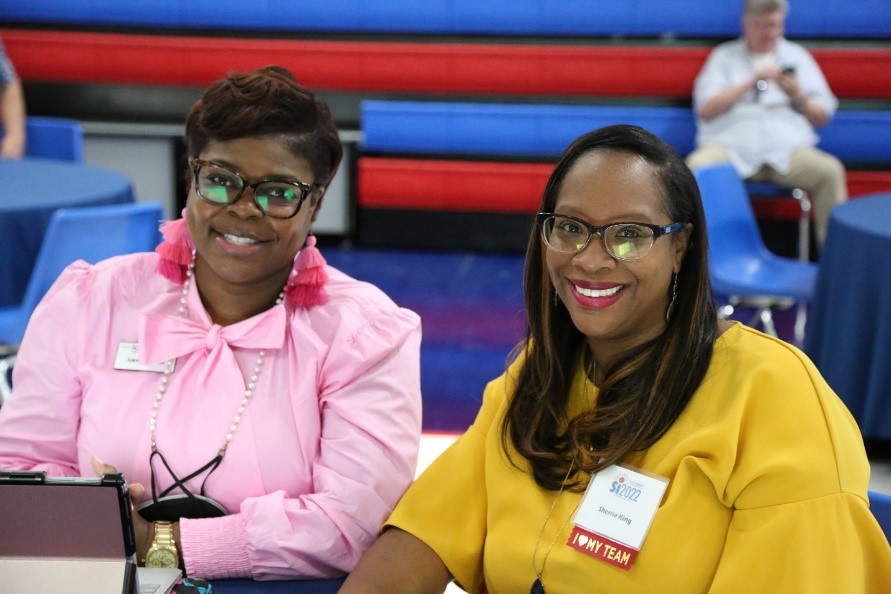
{"x": 169, "y": 366}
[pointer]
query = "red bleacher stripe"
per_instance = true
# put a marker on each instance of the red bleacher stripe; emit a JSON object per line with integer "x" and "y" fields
{"x": 360, "y": 66}
{"x": 868, "y": 182}
{"x": 463, "y": 186}
{"x": 444, "y": 68}
{"x": 482, "y": 186}
{"x": 856, "y": 73}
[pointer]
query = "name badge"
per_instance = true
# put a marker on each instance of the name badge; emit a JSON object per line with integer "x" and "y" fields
{"x": 127, "y": 359}
{"x": 615, "y": 514}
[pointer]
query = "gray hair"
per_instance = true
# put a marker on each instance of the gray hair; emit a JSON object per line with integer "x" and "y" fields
{"x": 756, "y": 7}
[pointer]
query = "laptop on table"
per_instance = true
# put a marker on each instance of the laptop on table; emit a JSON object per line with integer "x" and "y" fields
{"x": 71, "y": 535}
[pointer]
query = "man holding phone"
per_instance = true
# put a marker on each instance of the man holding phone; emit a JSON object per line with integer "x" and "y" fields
{"x": 757, "y": 100}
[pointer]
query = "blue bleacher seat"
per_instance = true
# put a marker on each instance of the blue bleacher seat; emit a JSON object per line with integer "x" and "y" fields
{"x": 540, "y": 130}
{"x": 544, "y": 130}
{"x": 629, "y": 18}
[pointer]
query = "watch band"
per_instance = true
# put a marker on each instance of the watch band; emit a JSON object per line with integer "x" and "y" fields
{"x": 164, "y": 534}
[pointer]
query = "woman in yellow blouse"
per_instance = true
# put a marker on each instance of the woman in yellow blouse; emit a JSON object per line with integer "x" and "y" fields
{"x": 637, "y": 443}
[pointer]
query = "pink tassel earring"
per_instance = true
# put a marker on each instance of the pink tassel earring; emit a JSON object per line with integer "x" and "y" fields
{"x": 176, "y": 250}
{"x": 306, "y": 287}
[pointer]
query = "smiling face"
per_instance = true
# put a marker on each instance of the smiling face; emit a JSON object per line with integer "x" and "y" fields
{"x": 616, "y": 304}
{"x": 239, "y": 249}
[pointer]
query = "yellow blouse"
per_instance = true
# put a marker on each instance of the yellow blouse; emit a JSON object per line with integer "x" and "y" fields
{"x": 767, "y": 492}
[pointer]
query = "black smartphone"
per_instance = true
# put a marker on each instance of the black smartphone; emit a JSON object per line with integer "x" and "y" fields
{"x": 788, "y": 70}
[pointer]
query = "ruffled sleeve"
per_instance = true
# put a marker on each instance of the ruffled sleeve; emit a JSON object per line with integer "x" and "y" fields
{"x": 800, "y": 520}
{"x": 828, "y": 544}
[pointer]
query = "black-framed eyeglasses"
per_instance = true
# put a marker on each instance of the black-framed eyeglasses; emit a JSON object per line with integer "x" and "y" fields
{"x": 623, "y": 241}
{"x": 280, "y": 199}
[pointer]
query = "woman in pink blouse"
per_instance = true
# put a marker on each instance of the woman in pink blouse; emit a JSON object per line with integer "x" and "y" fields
{"x": 232, "y": 369}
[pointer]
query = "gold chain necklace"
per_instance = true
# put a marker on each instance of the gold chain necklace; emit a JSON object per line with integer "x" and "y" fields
{"x": 537, "y": 587}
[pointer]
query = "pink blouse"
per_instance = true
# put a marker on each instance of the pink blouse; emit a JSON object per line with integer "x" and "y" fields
{"x": 320, "y": 457}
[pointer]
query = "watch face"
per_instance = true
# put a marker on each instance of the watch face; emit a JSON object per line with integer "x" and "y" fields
{"x": 161, "y": 558}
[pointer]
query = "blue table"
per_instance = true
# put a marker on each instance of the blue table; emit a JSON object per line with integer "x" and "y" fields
{"x": 30, "y": 190}
{"x": 849, "y": 330}
{"x": 285, "y": 587}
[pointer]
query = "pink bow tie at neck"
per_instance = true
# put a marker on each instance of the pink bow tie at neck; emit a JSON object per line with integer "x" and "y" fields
{"x": 163, "y": 337}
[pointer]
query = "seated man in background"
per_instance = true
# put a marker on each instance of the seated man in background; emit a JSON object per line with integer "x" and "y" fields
{"x": 757, "y": 100}
{"x": 12, "y": 110}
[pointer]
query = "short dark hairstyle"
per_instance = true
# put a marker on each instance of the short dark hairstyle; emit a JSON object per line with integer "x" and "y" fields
{"x": 267, "y": 101}
{"x": 643, "y": 393}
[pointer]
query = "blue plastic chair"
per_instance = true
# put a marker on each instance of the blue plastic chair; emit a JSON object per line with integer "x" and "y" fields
{"x": 740, "y": 266}
{"x": 880, "y": 505}
{"x": 54, "y": 138}
{"x": 85, "y": 233}
{"x": 768, "y": 190}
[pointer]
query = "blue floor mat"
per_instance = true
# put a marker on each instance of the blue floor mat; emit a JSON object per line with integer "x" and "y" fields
{"x": 471, "y": 307}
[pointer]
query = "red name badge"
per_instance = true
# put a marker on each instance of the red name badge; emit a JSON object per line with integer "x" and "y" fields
{"x": 601, "y": 548}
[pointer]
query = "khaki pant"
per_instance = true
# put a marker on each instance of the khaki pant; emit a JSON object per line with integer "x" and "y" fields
{"x": 816, "y": 172}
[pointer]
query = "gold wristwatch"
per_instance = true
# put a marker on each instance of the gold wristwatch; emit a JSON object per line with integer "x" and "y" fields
{"x": 162, "y": 553}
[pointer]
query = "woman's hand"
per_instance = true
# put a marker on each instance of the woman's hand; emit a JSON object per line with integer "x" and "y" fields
{"x": 143, "y": 530}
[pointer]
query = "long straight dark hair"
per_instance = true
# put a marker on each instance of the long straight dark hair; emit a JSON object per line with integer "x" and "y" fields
{"x": 644, "y": 392}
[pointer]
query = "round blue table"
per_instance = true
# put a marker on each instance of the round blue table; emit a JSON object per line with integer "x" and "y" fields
{"x": 30, "y": 191}
{"x": 849, "y": 330}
